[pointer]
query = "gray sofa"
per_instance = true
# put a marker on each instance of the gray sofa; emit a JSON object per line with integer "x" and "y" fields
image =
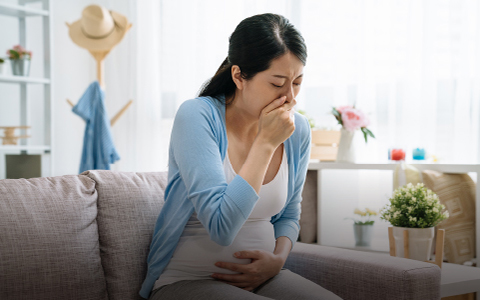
{"x": 87, "y": 237}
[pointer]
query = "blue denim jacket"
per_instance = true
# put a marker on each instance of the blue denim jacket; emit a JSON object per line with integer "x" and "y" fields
{"x": 98, "y": 149}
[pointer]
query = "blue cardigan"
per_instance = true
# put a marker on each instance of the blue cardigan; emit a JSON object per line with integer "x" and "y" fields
{"x": 196, "y": 182}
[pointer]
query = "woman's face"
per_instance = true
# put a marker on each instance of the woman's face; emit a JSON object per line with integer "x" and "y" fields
{"x": 283, "y": 78}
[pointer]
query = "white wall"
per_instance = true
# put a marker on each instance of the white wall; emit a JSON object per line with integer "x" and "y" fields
{"x": 73, "y": 70}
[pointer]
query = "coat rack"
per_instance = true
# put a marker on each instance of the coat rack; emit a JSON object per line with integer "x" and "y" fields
{"x": 99, "y": 58}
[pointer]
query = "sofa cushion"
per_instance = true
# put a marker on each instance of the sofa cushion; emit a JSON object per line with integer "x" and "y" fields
{"x": 457, "y": 193}
{"x": 49, "y": 240}
{"x": 128, "y": 207}
{"x": 362, "y": 275}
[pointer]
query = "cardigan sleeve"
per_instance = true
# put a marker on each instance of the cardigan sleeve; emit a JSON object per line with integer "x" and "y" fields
{"x": 195, "y": 145}
{"x": 288, "y": 222}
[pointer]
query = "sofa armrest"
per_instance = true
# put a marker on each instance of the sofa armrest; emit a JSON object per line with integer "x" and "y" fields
{"x": 360, "y": 275}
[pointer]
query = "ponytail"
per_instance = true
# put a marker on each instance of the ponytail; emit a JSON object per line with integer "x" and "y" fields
{"x": 220, "y": 83}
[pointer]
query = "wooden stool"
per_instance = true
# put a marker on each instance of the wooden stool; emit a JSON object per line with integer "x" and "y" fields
{"x": 438, "y": 245}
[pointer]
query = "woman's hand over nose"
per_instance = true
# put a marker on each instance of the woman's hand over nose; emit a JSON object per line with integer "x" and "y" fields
{"x": 276, "y": 123}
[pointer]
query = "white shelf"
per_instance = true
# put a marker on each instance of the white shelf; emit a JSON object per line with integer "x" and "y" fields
{"x": 446, "y": 168}
{"x": 459, "y": 280}
{"x": 377, "y": 245}
{"x": 5, "y": 148}
{"x": 23, "y": 79}
{"x": 41, "y": 10}
{"x": 20, "y": 11}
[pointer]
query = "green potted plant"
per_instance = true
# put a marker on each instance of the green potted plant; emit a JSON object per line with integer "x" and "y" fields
{"x": 417, "y": 210}
{"x": 363, "y": 227}
{"x": 20, "y": 60}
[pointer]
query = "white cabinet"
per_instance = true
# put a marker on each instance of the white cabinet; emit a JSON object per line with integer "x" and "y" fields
{"x": 444, "y": 168}
{"x": 22, "y": 11}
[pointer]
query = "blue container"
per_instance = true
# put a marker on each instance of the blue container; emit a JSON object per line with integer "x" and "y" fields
{"x": 418, "y": 154}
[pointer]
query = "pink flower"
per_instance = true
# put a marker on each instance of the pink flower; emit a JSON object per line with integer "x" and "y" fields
{"x": 18, "y": 52}
{"x": 19, "y": 48}
{"x": 366, "y": 120}
{"x": 341, "y": 109}
{"x": 353, "y": 119}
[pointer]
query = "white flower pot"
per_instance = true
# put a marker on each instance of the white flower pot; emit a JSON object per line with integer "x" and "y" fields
{"x": 2, "y": 68}
{"x": 20, "y": 67}
{"x": 346, "y": 151}
{"x": 419, "y": 239}
{"x": 363, "y": 235}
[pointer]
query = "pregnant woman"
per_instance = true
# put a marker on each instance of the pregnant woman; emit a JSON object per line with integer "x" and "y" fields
{"x": 237, "y": 163}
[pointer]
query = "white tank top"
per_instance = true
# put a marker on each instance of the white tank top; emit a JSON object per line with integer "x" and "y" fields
{"x": 196, "y": 254}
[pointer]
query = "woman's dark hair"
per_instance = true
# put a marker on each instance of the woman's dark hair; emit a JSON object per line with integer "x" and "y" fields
{"x": 253, "y": 45}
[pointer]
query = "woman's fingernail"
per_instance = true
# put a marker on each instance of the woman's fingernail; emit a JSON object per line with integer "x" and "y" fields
{"x": 236, "y": 254}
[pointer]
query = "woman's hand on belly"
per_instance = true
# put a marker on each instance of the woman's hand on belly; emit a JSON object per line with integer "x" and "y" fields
{"x": 264, "y": 266}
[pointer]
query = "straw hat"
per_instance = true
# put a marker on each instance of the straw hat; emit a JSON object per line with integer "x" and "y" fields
{"x": 98, "y": 29}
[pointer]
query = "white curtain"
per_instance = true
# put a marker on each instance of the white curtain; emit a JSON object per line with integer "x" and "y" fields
{"x": 133, "y": 71}
{"x": 175, "y": 46}
{"x": 412, "y": 66}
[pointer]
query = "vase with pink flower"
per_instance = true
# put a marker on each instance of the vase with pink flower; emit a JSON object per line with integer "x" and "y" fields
{"x": 351, "y": 119}
{"x": 20, "y": 60}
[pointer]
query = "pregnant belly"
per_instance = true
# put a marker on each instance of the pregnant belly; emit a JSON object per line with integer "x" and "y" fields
{"x": 196, "y": 254}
